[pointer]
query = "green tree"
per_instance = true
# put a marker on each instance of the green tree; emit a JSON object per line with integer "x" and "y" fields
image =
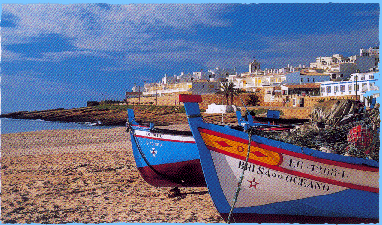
{"x": 227, "y": 89}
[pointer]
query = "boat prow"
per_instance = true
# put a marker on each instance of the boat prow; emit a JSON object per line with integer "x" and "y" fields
{"x": 259, "y": 180}
{"x": 165, "y": 158}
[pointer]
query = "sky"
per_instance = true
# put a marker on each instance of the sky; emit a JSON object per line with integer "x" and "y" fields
{"x": 63, "y": 55}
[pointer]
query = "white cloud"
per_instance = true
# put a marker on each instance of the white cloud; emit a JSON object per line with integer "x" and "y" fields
{"x": 133, "y": 29}
{"x": 111, "y": 28}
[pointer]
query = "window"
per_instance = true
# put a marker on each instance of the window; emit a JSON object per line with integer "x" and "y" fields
{"x": 356, "y": 87}
{"x": 302, "y": 80}
{"x": 308, "y": 79}
{"x": 335, "y": 89}
{"x": 313, "y": 80}
{"x": 350, "y": 87}
{"x": 373, "y": 87}
{"x": 322, "y": 89}
{"x": 329, "y": 89}
{"x": 364, "y": 87}
{"x": 342, "y": 88}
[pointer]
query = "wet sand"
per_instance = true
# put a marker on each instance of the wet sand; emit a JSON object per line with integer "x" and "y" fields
{"x": 87, "y": 176}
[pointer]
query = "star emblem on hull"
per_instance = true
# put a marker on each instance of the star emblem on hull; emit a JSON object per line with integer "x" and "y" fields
{"x": 153, "y": 151}
{"x": 253, "y": 183}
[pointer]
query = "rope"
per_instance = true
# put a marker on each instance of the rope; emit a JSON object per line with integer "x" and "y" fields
{"x": 173, "y": 179}
{"x": 241, "y": 177}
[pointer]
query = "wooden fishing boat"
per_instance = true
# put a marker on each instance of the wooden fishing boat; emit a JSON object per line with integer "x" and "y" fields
{"x": 165, "y": 158}
{"x": 255, "y": 179}
{"x": 262, "y": 125}
{"x": 280, "y": 121}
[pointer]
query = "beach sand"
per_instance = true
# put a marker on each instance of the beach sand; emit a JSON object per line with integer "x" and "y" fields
{"x": 87, "y": 176}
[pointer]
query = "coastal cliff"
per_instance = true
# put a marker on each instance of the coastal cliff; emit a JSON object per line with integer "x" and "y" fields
{"x": 78, "y": 115}
{"x": 116, "y": 115}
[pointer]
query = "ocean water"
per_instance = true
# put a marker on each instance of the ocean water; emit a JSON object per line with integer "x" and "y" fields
{"x": 19, "y": 125}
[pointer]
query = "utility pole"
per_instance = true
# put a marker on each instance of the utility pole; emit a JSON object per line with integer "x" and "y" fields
{"x": 156, "y": 94}
{"x": 144, "y": 84}
{"x": 139, "y": 95}
{"x": 356, "y": 87}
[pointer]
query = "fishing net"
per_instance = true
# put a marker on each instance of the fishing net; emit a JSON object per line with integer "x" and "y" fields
{"x": 352, "y": 134}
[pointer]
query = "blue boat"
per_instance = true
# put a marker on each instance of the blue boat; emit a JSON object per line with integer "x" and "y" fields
{"x": 165, "y": 158}
{"x": 253, "y": 179}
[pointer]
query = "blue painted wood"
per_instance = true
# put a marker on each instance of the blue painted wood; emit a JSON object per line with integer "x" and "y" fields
{"x": 348, "y": 204}
{"x": 157, "y": 157}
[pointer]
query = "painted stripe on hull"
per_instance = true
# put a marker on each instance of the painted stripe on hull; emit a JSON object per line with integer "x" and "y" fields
{"x": 275, "y": 218}
{"x": 309, "y": 201}
{"x": 174, "y": 158}
{"x": 158, "y": 152}
{"x": 340, "y": 174}
{"x": 164, "y": 137}
{"x": 354, "y": 166}
{"x": 268, "y": 191}
{"x": 189, "y": 171}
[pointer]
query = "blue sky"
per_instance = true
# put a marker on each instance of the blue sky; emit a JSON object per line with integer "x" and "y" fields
{"x": 62, "y": 55}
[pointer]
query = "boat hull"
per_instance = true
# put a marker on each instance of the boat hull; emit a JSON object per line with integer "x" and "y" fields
{"x": 282, "y": 183}
{"x": 276, "y": 218}
{"x": 165, "y": 158}
{"x": 189, "y": 173}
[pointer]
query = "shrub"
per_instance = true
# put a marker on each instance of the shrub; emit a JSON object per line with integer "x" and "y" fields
{"x": 92, "y": 103}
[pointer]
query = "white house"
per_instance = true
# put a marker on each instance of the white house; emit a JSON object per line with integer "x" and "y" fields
{"x": 358, "y": 84}
{"x": 198, "y": 87}
{"x": 340, "y": 67}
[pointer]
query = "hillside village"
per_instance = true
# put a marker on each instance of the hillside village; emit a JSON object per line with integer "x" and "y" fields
{"x": 332, "y": 77}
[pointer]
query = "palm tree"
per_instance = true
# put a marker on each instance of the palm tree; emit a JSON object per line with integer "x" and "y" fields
{"x": 235, "y": 91}
{"x": 227, "y": 89}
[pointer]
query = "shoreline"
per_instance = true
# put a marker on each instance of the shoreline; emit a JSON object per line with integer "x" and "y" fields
{"x": 93, "y": 117}
{"x": 106, "y": 115}
{"x": 76, "y": 115}
{"x": 11, "y": 126}
{"x": 116, "y": 115}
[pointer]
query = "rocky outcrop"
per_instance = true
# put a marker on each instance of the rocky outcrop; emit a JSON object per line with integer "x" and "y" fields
{"x": 108, "y": 116}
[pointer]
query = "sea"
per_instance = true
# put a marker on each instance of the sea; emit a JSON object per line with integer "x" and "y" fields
{"x": 20, "y": 125}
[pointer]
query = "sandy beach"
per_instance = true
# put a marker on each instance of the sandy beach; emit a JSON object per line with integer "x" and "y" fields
{"x": 87, "y": 176}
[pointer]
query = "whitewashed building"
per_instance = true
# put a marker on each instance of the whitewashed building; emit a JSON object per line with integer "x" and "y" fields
{"x": 198, "y": 87}
{"x": 341, "y": 68}
{"x": 358, "y": 84}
